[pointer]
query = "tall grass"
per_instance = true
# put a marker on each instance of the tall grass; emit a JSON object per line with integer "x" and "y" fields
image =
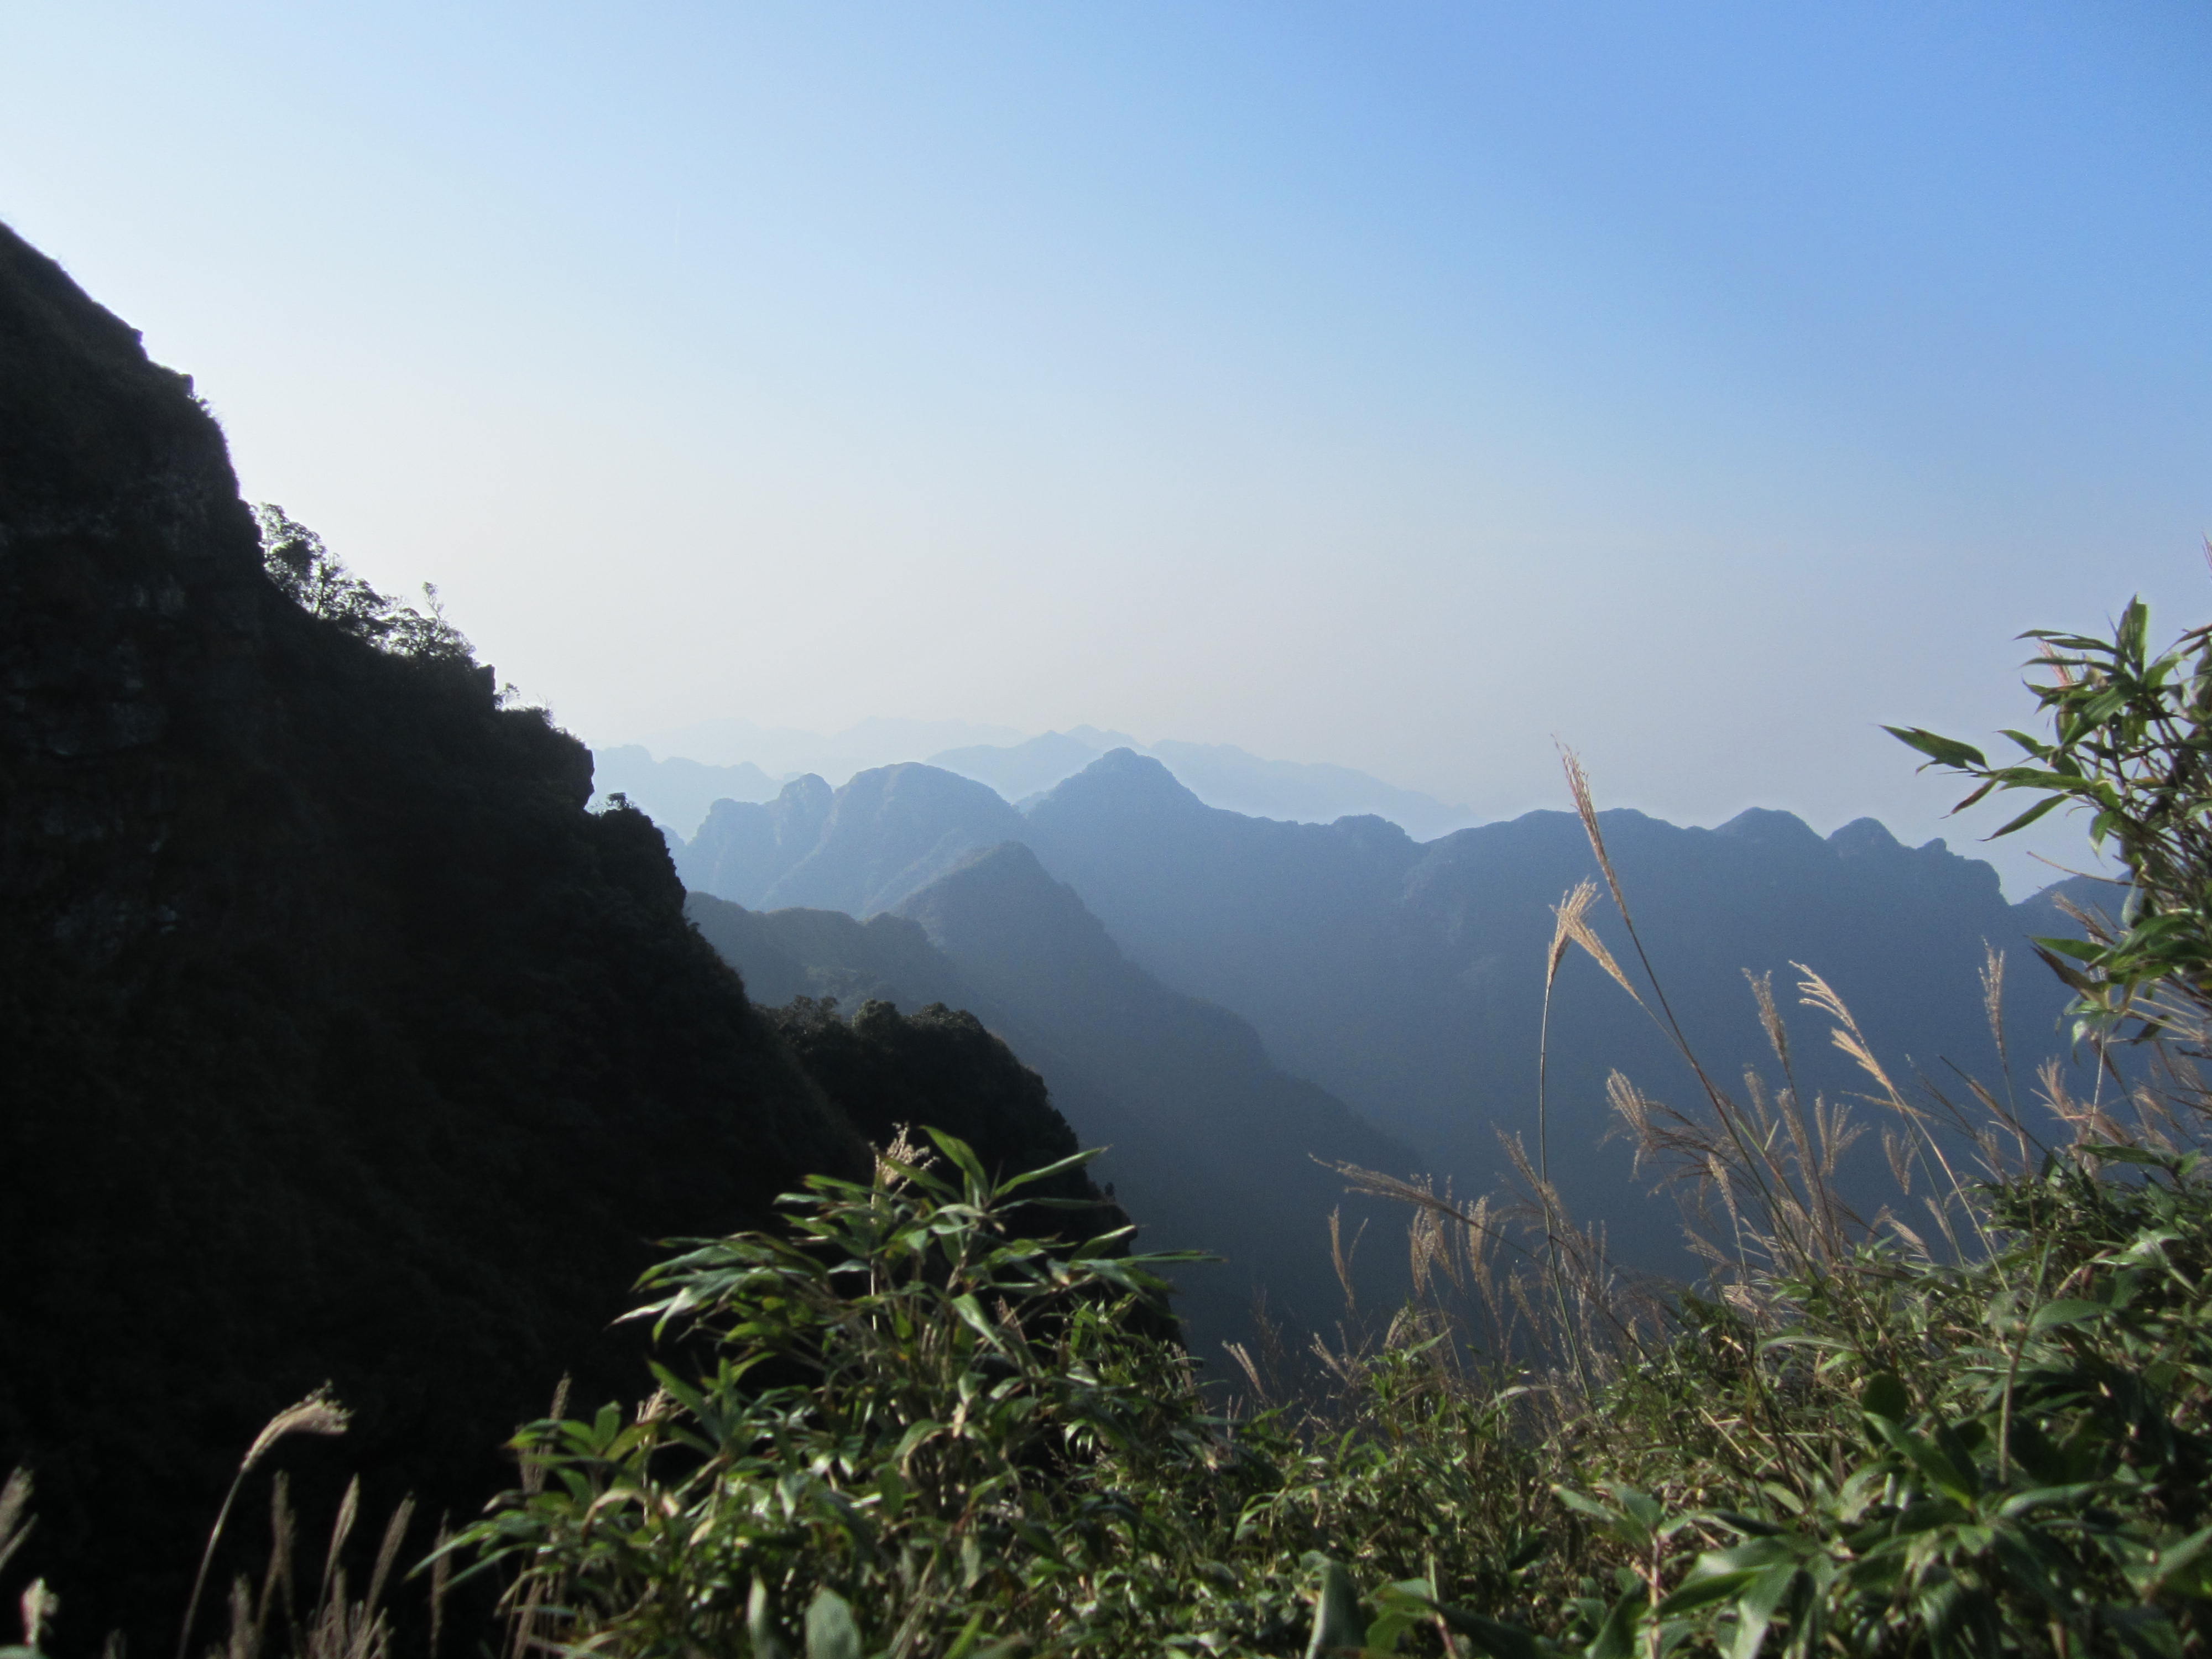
{"x": 268, "y": 1620}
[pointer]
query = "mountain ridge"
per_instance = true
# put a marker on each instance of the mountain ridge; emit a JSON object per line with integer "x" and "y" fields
{"x": 1405, "y": 978}
{"x": 680, "y": 792}
{"x": 1209, "y": 1140}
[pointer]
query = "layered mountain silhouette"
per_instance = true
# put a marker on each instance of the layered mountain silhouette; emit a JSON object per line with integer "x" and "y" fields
{"x": 1407, "y": 978}
{"x": 786, "y": 752}
{"x": 1019, "y": 770}
{"x": 863, "y": 848}
{"x": 678, "y": 793}
{"x": 339, "y": 1041}
{"x": 1219, "y": 774}
{"x": 1212, "y": 1146}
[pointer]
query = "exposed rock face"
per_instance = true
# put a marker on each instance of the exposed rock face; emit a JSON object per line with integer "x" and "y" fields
{"x": 337, "y": 1040}
{"x": 131, "y": 621}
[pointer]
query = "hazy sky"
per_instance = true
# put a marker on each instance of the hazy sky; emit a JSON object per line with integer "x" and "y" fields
{"x": 1396, "y": 385}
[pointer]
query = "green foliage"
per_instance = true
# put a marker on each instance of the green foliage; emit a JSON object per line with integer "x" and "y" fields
{"x": 927, "y": 1429}
{"x": 2131, "y": 741}
{"x": 2007, "y": 1458}
{"x": 928, "y": 1432}
{"x": 912, "y": 1407}
{"x": 316, "y": 581}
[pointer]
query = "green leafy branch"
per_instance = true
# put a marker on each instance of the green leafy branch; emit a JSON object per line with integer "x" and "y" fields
{"x": 2131, "y": 743}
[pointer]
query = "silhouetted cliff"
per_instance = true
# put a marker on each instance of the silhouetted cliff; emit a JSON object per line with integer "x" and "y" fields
{"x": 339, "y": 1040}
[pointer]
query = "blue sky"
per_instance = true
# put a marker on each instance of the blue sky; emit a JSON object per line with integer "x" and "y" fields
{"x": 1401, "y": 385}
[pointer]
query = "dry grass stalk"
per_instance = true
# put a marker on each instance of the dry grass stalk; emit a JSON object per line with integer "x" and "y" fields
{"x": 1342, "y": 1255}
{"x": 1246, "y": 1364}
{"x": 1993, "y": 975}
{"x": 341, "y": 1529}
{"x": 276, "y": 1579}
{"x": 319, "y": 1413}
{"x": 16, "y": 1521}
{"x": 1586, "y": 810}
{"x": 442, "y": 1575}
{"x": 902, "y": 1150}
{"x": 1571, "y": 926}
{"x": 37, "y": 1604}
{"x": 388, "y": 1552}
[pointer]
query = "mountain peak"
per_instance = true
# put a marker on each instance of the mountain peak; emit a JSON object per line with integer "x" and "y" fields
{"x": 807, "y": 793}
{"x": 1769, "y": 828}
{"x": 1003, "y": 895}
{"x": 1125, "y": 779}
{"x": 1865, "y": 836}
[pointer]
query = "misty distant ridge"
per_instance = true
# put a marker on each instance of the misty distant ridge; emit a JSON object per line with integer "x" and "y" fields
{"x": 676, "y": 776}
{"x": 1404, "y": 978}
{"x": 1220, "y": 774}
{"x": 1212, "y": 1144}
{"x": 784, "y": 752}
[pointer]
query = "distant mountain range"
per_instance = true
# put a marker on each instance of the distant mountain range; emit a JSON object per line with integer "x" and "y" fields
{"x": 783, "y": 752}
{"x": 676, "y": 793}
{"x": 1407, "y": 978}
{"x": 1211, "y": 1144}
{"x": 752, "y": 761}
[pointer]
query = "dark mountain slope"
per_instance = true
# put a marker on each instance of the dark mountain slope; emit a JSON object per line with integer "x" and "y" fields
{"x": 337, "y": 1040}
{"x": 1213, "y": 901}
{"x": 826, "y": 954}
{"x": 1209, "y": 1140}
{"x": 1025, "y": 942}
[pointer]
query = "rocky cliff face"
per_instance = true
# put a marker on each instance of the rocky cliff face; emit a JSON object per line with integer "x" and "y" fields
{"x": 338, "y": 1040}
{"x": 131, "y": 623}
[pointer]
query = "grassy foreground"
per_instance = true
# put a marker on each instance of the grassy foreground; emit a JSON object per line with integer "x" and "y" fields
{"x": 916, "y": 1422}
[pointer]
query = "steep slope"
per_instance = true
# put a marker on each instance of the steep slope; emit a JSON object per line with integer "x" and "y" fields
{"x": 1238, "y": 1135}
{"x": 820, "y": 955}
{"x": 745, "y": 847}
{"x": 338, "y": 1040}
{"x": 886, "y": 834}
{"x": 1213, "y": 901}
{"x": 1211, "y": 1144}
{"x": 889, "y": 832}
